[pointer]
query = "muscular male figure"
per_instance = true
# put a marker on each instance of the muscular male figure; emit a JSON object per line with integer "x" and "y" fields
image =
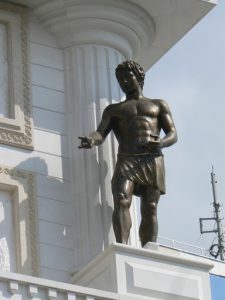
{"x": 136, "y": 123}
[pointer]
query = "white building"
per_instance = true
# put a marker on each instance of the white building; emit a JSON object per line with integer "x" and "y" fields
{"x": 57, "y": 62}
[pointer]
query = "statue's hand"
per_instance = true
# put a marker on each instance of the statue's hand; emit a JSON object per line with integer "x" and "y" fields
{"x": 155, "y": 143}
{"x": 85, "y": 142}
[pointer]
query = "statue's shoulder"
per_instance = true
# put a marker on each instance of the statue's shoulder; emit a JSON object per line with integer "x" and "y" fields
{"x": 161, "y": 103}
{"x": 110, "y": 108}
{"x": 158, "y": 101}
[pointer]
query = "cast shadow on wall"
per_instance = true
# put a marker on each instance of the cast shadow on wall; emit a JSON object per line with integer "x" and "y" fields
{"x": 95, "y": 205}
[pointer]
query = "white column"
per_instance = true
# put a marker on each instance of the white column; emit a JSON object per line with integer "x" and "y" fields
{"x": 96, "y": 36}
{"x": 91, "y": 86}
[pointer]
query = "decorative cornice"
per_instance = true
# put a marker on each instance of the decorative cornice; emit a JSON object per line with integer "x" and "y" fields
{"x": 171, "y": 20}
{"x": 121, "y": 25}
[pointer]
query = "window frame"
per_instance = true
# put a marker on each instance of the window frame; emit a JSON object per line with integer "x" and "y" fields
{"x": 17, "y": 130}
{"x": 22, "y": 185}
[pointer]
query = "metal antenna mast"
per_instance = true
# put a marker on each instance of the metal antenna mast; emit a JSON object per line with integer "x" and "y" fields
{"x": 218, "y": 230}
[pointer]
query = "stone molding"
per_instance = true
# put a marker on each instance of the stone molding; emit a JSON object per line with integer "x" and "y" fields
{"x": 121, "y": 25}
{"x": 17, "y": 130}
{"x": 22, "y": 185}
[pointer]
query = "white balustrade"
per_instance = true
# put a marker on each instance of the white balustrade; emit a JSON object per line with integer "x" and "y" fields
{"x": 20, "y": 287}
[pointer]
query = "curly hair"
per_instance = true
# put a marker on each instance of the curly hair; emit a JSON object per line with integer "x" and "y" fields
{"x": 135, "y": 68}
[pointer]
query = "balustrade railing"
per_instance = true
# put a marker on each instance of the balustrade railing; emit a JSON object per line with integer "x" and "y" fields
{"x": 21, "y": 287}
{"x": 192, "y": 249}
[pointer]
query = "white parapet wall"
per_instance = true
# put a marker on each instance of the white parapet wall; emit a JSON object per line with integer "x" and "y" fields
{"x": 122, "y": 273}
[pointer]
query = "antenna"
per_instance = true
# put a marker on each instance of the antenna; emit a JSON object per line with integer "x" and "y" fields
{"x": 219, "y": 230}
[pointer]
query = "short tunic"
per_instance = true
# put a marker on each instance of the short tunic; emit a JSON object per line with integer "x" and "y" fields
{"x": 142, "y": 169}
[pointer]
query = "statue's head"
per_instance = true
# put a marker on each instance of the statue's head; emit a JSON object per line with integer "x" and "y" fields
{"x": 135, "y": 68}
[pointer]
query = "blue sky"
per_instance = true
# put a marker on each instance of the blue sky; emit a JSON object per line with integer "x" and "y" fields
{"x": 217, "y": 287}
{"x": 191, "y": 79}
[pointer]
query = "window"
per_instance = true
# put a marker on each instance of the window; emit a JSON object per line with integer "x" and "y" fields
{"x": 18, "y": 222}
{"x": 7, "y": 235}
{"x": 16, "y": 127}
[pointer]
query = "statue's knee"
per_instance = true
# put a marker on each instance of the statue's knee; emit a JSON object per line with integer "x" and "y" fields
{"x": 121, "y": 200}
{"x": 125, "y": 203}
{"x": 152, "y": 207}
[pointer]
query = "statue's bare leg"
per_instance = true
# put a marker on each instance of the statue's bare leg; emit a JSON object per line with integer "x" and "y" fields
{"x": 148, "y": 230}
{"x": 122, "y": 190}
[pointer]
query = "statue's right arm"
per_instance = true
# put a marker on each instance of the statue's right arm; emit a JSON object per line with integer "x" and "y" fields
{"x": 97, "y": 137}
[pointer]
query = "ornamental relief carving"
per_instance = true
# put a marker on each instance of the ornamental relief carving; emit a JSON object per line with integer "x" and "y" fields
{"x": 4, "y": 255}
{"x": 18, "y": 129}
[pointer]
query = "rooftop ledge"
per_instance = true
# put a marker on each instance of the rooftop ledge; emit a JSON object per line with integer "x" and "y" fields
{"x": 141, "y": 30}
{"x": 27, "y": 287}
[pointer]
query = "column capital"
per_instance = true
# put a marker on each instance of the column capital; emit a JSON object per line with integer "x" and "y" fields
{"x": 142, "y": 30}
{"x": 121, "y": 25}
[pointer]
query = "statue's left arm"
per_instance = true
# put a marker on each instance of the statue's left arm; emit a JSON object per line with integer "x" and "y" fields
{"x": 168, "y": 126}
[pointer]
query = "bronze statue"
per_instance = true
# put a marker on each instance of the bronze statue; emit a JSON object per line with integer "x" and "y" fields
{"x": 136, "y": 123}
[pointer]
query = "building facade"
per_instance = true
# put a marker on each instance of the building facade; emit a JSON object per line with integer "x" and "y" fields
{"x": 57, "y": 62}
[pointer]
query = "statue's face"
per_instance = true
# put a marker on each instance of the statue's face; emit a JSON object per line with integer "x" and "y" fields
{"x": 127, "y": 81}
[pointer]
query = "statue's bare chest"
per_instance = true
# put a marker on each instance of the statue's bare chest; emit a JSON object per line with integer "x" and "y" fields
{"x": 132, "y": 108}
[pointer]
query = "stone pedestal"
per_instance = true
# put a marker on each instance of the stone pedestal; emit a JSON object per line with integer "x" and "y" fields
{"x": 152, "y": 273}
